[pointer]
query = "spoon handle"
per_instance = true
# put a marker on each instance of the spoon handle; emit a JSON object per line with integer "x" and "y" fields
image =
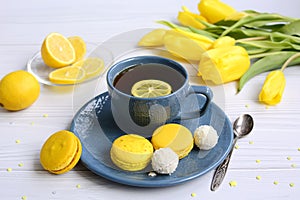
{"x": 221, "y": 170}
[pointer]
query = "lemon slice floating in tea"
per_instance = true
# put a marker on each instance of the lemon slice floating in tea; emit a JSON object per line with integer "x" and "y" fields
{"x": 150, "y": 88}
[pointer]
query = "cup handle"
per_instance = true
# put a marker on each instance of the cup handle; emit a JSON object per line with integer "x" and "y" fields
{"x": 198, "y": 90}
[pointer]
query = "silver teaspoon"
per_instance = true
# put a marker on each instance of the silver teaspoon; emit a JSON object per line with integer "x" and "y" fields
{"x": 242, "y": 126}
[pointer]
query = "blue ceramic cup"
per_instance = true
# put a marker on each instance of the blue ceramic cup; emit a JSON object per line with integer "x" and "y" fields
{"x": 143, "y": 115}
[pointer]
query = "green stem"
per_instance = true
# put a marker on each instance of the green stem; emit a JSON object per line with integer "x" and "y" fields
{"x": 251, "y": 39}
{"x": 264, "y": 54}
{"x": 289, "y": 60}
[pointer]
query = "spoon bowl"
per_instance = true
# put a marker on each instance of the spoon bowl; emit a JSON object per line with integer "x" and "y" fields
{"x": 243, "y": 125}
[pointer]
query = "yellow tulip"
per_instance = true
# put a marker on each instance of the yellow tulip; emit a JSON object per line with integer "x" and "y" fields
{"x": 223, "y": 42}
{"x": 202, "y": 40}
{"x": 273, "y": 88}
{"x": 224, "y": 64}
{"x": 215, "y": 10}
{"x": 187, "y": 18}
{"x": 153, "y": 38}
{"x": 236, "y": 16}
{"x": 186, "y": 45}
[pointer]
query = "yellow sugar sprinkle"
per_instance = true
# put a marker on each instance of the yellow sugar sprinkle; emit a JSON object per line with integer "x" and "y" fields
{"x": 193, "y": 194}
{"x": 31, "y": 123}
{"x": 288, "y": 158}
{"x": 299, "y": 149}
{"x": 18, "y": 141}
{"x": 267, "y": 107}
{"x": 20, "y": 164}
{"x": 247, "y": 105}
{"x": 78, "y": 186}
{"x": 24, "y": 197}
{"x": 9, "y": 169}
{"x": 257, "y": 161}
{"x": 275, "y": 182}
{"x": 236, "y": 146}
{"x": 233, "y": 183}
{"x": 292, "y": 184}
{"x": 251, "y": 142}
{"x": 293, "y": 165}
{"x": 258, "y": 177}
{"x": 45, "y": 115}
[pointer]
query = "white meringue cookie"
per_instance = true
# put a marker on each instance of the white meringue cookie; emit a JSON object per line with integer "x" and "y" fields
{"x": 205, "y": 137}
{"x": 164, "y": 161}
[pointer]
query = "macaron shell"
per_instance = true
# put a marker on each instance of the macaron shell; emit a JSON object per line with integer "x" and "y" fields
{"x": 73, "y": 162}
{"x": 183, "y": 153}
{"x": 174, "y": 136}
{"x": 134, "y": 165}
{"x": 60, "y": 152}
{"x": 131, "y": 152}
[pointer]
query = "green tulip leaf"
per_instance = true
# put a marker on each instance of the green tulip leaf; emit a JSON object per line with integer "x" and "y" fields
{"x": 252, "y": 50}
{"x": 266, "y": 24}
{"x": 204, "y": 33}
{"x": 292, "y": 28}
{"x": 172, "y": 25}
{"x": 255, "y": 18}
{"x": 218, "y": 30}
{"x": 240, "y": 33}
{"x": 189, "y": 29}
{"x": 225, "y": 23}
{"x": 278, "y": 37}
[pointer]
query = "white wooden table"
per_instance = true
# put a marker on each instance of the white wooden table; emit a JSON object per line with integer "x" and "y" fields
{"x": 275, "y": 140}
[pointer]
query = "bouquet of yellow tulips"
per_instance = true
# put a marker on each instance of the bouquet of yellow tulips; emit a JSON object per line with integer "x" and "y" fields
{"x": 233, "y": 46}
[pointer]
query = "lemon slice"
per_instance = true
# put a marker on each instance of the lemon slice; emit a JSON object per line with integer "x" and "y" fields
{"x": 79, "y": 47}
{"x": 150, "y": 88}
{"x": 57, "y": 51}
{"x": 92, "y": 66}
{"x": 67, "y": 75}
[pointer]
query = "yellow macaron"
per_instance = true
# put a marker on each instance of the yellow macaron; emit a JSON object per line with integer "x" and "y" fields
{"x": 131, "y": 152}
{"x": 61, "y": 152}
{"x": 174, "y": 136}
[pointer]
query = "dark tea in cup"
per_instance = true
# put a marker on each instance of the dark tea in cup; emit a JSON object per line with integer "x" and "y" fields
{"x": 125, "y": 80}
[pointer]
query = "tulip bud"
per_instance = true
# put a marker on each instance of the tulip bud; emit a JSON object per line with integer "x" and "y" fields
{"x": 202, "y": 40}
{"x": 236, "y": 16}
{"x": 153, "y": 38}
{"x": 187, "y": 18}
{"x": 224, "y": 64}
{"x": 273, "y": 88}
{"x": 223, "y": 42}
{"x": 215, "y": 10}
{"x": 185, "y": 44}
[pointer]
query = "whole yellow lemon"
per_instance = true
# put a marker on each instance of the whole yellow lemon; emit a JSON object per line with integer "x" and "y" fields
{"x": 18, "y": 90}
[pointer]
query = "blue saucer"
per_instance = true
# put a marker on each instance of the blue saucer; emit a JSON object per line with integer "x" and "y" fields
{"x": 95, "y": 127}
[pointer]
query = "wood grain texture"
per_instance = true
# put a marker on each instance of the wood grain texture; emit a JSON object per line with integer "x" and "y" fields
{"x": 23, "y": 25}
